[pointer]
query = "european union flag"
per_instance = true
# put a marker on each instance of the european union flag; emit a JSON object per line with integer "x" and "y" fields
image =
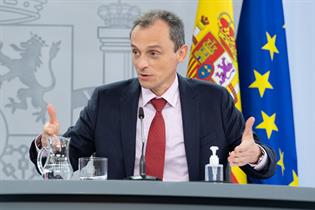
{"x": 265, "y": 83}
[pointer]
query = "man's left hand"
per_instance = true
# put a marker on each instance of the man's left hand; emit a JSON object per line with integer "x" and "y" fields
{"x": 248, "y": 152}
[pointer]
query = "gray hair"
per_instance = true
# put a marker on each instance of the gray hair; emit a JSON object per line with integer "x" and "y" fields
{"x": 176, "y": 25}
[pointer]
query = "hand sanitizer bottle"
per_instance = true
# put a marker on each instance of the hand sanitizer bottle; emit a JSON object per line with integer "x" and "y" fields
{"x": 214, "y": 170}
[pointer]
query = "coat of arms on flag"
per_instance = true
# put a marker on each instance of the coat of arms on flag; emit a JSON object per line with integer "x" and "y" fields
{"x": 213, "y": 53}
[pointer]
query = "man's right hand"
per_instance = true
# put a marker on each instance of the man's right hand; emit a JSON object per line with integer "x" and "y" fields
{"x": 51, "y": 128}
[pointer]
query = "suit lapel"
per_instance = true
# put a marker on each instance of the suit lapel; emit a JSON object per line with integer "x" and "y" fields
{"x": 190, "y": 114}
{"x": 128, "y": 118}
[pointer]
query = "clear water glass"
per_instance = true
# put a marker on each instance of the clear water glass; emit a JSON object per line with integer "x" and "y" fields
{"x": 93, "y": 168}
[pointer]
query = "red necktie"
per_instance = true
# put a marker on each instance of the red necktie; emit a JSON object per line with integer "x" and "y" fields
{"x": 155, "y": 149}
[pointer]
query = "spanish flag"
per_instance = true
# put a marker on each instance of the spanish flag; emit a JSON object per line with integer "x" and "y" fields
{"x": 213, "y": 54}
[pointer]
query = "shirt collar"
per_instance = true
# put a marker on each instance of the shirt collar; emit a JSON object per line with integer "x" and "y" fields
{"x": 169, "y": 95}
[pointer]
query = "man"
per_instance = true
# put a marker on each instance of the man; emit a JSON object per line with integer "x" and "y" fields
{"x": 194, "y": 115}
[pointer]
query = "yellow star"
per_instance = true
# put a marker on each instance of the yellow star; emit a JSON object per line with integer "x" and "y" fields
{"x": 280, "y": 161}
{"x": 271, "y": 45}
{"x": 268, "y": 123}
{"x": 295, "y": 181}
{"x": 261, "y": 82}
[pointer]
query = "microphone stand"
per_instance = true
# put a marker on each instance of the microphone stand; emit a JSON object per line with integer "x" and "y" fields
{"x": 143, "y": 176}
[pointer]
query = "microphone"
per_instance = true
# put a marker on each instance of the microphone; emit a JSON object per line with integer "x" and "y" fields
{"x": 142, "y": 158}
{"x": 142, "y": 170}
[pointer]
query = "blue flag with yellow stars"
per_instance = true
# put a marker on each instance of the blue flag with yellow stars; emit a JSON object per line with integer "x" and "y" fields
{"x": 265, "y": 83}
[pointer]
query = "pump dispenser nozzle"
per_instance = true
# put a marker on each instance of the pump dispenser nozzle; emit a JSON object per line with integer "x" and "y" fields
{"x": 214, "y": 159}
{"x": 214, "y": 170}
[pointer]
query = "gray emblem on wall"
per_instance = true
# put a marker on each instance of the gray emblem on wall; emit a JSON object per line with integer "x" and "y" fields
{"x": 35, "y": 68}
{"x": 22, "y": 57}
{"x": 24, "y": 69}
{"x": 18, "y": 11}
{"x": 114, "y": 37}
{"x": 115, "y": 46}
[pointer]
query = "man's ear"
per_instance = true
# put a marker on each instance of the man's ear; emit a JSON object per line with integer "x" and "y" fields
{"x": 181, "y": 53}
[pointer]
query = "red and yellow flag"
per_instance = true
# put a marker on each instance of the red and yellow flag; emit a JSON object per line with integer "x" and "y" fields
{"x": 213, "y": 53}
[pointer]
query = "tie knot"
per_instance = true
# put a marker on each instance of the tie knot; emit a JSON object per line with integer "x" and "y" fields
{"x": 158, "y": 103}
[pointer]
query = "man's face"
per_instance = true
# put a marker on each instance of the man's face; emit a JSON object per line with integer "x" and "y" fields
{"x": 154, "y": 58}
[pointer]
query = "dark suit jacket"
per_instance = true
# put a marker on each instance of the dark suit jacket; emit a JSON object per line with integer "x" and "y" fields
{"x": 107, "y": 126}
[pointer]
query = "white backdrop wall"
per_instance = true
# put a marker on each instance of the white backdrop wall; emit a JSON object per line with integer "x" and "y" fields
{"x": 86, "y": 42}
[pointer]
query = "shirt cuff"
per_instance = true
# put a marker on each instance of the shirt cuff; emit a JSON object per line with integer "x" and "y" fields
{"x": 37, "y": 142}
{"x": 262, "y": 162}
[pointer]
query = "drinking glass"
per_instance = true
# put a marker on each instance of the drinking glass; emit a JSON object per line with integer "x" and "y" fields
{"x": 93, "y": 168}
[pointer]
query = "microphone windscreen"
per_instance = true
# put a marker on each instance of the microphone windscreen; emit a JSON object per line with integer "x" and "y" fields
{"x": 141, "y": 113}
